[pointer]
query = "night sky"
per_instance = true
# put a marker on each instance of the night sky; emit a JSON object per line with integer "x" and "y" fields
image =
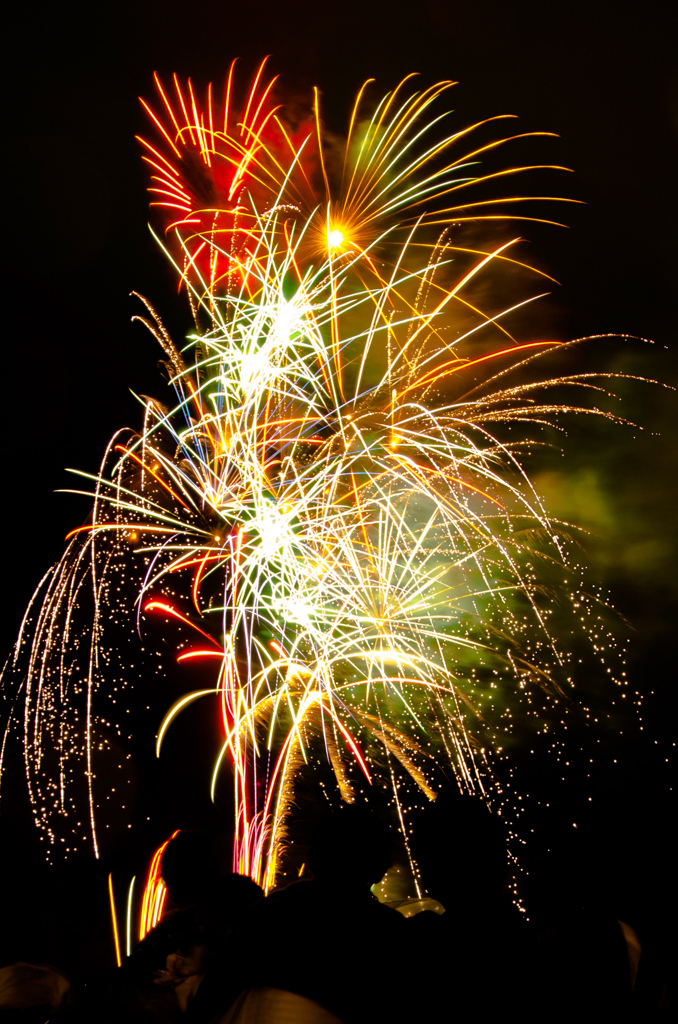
{"x": 75, "y": 240}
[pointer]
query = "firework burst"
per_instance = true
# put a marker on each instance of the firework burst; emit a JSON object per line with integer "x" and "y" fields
{"x": 333, "y": 509}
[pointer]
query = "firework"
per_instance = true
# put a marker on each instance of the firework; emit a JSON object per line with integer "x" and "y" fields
{"x": 334, "y": 510}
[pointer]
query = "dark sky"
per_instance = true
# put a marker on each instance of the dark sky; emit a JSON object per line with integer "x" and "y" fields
{"x": 75, "y": 241}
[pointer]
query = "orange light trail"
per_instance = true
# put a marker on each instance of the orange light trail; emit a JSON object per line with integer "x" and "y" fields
{"x": 148, "y": 469}
{"x": 162, "y": 606}
{"x": 114, "y": 921}
{"x": 442, "y": 371}
{"x": 155, "y": 892}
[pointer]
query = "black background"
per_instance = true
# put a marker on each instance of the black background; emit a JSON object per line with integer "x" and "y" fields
{"x": 75, "y": 241}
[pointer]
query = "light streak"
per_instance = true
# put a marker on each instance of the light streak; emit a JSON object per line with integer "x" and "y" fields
{"x": 155, "y": 892}
{"x": 114, "y": 921}
{"x": 128, "y": 923}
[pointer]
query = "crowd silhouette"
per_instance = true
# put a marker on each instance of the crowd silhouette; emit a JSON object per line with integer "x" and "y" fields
{"x": 324, "y": 950}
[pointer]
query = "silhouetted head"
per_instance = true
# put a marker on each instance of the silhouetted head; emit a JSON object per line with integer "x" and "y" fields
{"x": 574, "y": 875}
{"x": 233, "y": 897}
{"x": 351, "y": 848}
{"x": 209, "y": 923}
{"x": 460, "y": 848}
{"x": 189, "y": 867}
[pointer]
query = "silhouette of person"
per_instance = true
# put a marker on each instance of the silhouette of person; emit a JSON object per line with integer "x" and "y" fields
{"x": 327, "y": 940}
{"x": 476, "y": 958}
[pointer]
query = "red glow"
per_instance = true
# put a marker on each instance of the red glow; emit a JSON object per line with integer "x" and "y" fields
{"x": 162, "y": 606}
